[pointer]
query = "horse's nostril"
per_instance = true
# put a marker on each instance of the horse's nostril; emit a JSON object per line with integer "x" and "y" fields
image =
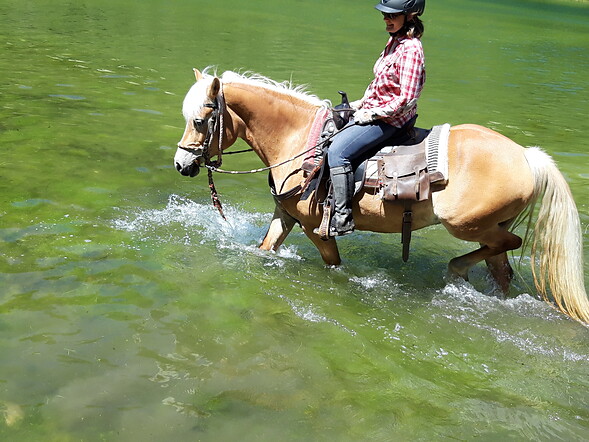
{"x": 178, "y": 166}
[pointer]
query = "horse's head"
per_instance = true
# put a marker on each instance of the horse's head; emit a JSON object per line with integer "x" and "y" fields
{"x": 199, "y": 108}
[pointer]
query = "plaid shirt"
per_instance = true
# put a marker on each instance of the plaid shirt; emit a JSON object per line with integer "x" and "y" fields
{"x": 399, "y": 75}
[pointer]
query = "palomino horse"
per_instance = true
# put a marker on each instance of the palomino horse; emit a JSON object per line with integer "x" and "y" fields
{"x": 492, "y": 184}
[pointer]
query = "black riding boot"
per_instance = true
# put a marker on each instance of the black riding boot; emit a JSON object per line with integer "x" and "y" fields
{"x": 342, "y": 179}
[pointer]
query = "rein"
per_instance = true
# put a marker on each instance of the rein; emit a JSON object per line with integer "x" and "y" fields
{"x": 216, "y": 123}
{"x": 214, "y": 168}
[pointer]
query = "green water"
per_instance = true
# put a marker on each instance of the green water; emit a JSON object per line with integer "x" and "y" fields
{"x": 130, "y": 312}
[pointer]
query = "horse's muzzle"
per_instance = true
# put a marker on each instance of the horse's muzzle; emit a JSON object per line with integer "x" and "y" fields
{"x": 191, "y": 170}
{"x": 187, "y": 162}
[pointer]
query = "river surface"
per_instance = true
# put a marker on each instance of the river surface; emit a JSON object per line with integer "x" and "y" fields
{"x": 129, "y": 311}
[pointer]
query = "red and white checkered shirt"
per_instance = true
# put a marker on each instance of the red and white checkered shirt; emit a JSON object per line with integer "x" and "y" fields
{"x": 399, "y": 75}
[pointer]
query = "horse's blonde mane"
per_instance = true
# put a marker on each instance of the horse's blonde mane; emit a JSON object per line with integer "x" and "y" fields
{"x": 255, "y": 79}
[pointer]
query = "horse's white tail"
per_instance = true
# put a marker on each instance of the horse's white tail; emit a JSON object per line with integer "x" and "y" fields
{"x": 557, "y": 247}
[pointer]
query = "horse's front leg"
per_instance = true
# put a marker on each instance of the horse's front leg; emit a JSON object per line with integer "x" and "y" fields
{"x": 281, "y": 225}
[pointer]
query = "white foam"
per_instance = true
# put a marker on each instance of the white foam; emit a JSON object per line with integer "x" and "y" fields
{"x": 192, "y": 223}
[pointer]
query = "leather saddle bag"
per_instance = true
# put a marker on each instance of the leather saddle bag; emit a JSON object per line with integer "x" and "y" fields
{"x": 403, "y": 174}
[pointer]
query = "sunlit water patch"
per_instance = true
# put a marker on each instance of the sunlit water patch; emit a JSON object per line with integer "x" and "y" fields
{"x": 309, "y": 312}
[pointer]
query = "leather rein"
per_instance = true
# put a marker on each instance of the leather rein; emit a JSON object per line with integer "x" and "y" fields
{"x": 216, "y": 124}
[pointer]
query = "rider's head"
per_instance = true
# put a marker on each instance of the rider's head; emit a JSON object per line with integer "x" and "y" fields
{"x": 412, "y": 26}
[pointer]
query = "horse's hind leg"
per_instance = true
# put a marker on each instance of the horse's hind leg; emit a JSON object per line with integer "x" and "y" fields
{"x": 500, "y": 270}
{"x": 496, "y": 243}
{"x": 280, "y": 226}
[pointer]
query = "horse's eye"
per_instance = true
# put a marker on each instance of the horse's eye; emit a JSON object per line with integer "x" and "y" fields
{"x": 198, "y": 123}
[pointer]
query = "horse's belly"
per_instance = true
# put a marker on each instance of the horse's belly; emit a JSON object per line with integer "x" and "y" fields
{"x": 376, "y": 215}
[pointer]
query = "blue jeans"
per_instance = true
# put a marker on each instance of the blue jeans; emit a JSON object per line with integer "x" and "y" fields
{"x": 355, "y": 143}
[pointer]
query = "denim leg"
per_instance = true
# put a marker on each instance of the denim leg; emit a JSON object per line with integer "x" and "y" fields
{"x": 354, "y": 141}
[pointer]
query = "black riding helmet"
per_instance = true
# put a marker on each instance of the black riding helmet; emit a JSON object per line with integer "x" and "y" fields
{"x": 404, "y": 6}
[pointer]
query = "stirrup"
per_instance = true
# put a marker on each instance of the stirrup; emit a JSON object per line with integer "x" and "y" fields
{"x": 327, "y": 230}
{"x": 324, "y": 227}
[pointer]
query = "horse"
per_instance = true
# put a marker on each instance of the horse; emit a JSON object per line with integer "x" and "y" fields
{"x": 493, "y": 185}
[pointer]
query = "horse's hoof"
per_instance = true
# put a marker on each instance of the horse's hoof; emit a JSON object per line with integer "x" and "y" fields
{"x": 459, "y": 271}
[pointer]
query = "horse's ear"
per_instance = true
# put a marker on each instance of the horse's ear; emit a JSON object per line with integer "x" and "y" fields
{"x": 197, "y": 74}
{"x": 214, "y": 88}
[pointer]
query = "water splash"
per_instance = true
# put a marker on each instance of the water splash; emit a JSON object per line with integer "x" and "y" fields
{"x": 463, "y": 297}
{"x": 192, "y": 223}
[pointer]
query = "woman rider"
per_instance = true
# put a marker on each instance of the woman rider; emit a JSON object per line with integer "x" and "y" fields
{"x": 388, "y": 103}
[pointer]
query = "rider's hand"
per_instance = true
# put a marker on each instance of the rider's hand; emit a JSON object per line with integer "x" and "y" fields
{"x": 356, "y": 104}
{"x": 364, "y": 116}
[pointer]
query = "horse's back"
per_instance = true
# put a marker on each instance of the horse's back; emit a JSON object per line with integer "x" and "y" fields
{"x": 489, "y": 180}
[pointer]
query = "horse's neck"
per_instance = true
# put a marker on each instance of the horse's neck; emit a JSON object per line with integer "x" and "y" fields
{"x": 275, "y": 125}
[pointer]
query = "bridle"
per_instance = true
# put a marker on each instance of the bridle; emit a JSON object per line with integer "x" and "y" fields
{"x": 215, "y": 124}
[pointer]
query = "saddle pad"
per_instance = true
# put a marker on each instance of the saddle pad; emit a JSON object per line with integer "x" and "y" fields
{"x": 313, "y": 156}
{"x": 436, "y": 153}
